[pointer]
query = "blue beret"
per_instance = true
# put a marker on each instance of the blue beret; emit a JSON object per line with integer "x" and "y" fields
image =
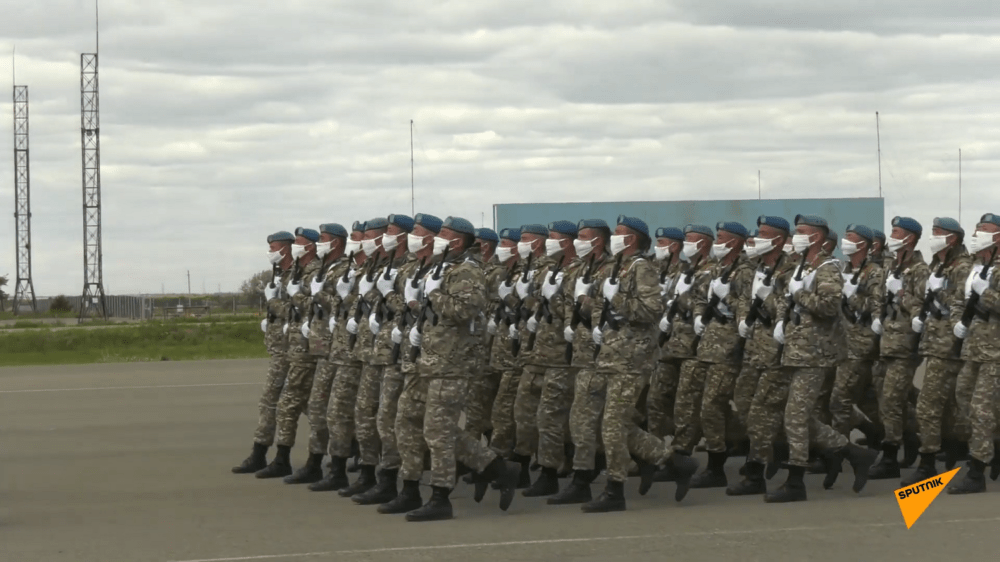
{"x": 862, "y": 231}
{"x": 949, "y": 224}
{"x": 281, "y": 236}
{"x": 376, "y": 224}
{"x": 511, "y": 234}
{"x": 906, "y": 223}
{"x": 635, "y": 224}
{"x": 307, "y": 233}
{"x": 563, "y": 227}
{"x": 670, "y": 232}
{"x": 879, "y": 235}
{"x": 334, "y": 229}
{"x": 488, "y": 235}
{"x": 831, "y": 235}
{"x": 402, "y": 221}
{"x": 459, "y": 224}
{"x": 774, "y": 222}
{"x": 358, "y": 226}
{"x": 535, "y": 229}
{"x": 430, "y": 222}
{"x": 733, "y": 228}
{"x": 591, "y": 223}
{"x": 990, "y": 218}
{"x": 699, "y": 229}
{"x": 754, "y": 233}
{"x": 811, "y": 220}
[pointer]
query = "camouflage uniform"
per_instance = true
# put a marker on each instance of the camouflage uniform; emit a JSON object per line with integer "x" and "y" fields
{"x": 981, "y": 348}
{"x": 485, "y": 378}
{"x": 344, "y": 391}
{"x": 897, "y": 348}
{"x": 276, "y": 341}
{"x": 626, "y": 353}
{"x": 663, "y": 382}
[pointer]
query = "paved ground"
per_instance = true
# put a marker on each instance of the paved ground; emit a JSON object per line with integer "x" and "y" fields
{"x": 130, "y": 462}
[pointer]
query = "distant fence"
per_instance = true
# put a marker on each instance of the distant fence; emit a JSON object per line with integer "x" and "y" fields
{"x": 147, "y": 307}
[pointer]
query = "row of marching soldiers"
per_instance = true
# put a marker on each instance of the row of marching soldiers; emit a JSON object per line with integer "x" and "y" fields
{"x": 589, "y": 350}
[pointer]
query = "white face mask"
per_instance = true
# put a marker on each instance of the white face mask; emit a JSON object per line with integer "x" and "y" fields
{"x": 752, "y": 251}
{"x": 440, "y": 244}
{"x": 390, "y": 241}
{"x": 274, "y": 257}
{"x": 352, "y": 247}
{"x": 298, "y": 250}
{"x": 323, "y": 248}
{"x": 763, "y": 245}
{"x": 691, "y": 248}
{"x": 849, "y": 248}
{"x": 370, "y": 246}
{"x": 720, "y": 251}
{"x": 938, "y": 243}
{"x": 800, "y": 242}
{"x": 414, "y": 243}
{"x": 504, "y": 253}
{"x": 979, "y": 241}
{"x": 583, "y": 247}
{"x": 618, "y": 243}
{"x": 662, "y": 252}
{"x": 788, "y": 248}
{"x": 894, "y": 244}
{"x": 552, "y": 247}
{"x": 524, "y": 249}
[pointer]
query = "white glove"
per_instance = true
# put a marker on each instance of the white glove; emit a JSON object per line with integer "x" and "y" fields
{"x": 917, "y": 325}
{"x": 523, "y": 285}
{"x": 415, "y": 337}
{"x": 664, "y": 288}
{"x": 582, "y": 289}
{"x": 532, "y": 324}
{"x": 365, "y": 286}
{"x": 386, "y": 286}
{"x": 333, "y": 323}
{"x": 373, "y": 325}
{"x": 293, "y": 288}
{"x": 270, "y": 292}
{"x": 305, "y": 330}
{"x": 796, "y": 285}
{"x": 664, "y": 324}
{"x": 810, "y": 278}
{"x": 316, "y": 286}
{"x": 431, "y": 284}
{"x": 610, "y": 289}
{"x": 352, "y": 326}
{"x": 284, "y": 329}
{"x": 979, "y": 285}
{"x": 893, "y": 284}
{"x": 934, "y": 284}
{"x": 719, "y": 288}
{"x": 850, "y": 289}
{"x": 344, "y": 287}
{"x": 491, "y": 327}
{"x": 779, "y": 332}
{"x": 683, "y": 286}
{"x": 411, "y": 293}
{"x": 598, "y": 336}
{"x": 745, "y": 329}
{"x": 699, "y": 326}
{"x": 960, "y": 331}
{"x": 877, "y": 326}
{"x": 549, "y": 289}
{"x": 513, "y": 332}
{"x": 397, "y": 335}
{"x": 263, "y": 325}
{"x": 568, "y": 334}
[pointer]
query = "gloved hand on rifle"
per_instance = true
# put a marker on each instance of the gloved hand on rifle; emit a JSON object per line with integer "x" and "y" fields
{"x": 568, "y": 334}
{"x": 373, "y": 324}
{"x": 551, "y": 286}
{"x": 316, "y": 286}
{"x": 294, "y": 288}
{"x": 271, "y": 291}
{"x": 416, "y": 338}
{"x": 397, "y": 335}
{"x": 387, "y": 286}
{"x": 344, "y": 287}
{"x": 305, "y": 330}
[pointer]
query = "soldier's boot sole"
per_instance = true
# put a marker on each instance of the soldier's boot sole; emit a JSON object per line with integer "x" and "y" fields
{"x": 574, "y": 493}
{"x": 604, "y": 504}
{"x": 971, "y": 484}
{"x": 401, "y": 504}
{"x": 360, "y": 486}
{"x": 861, "y": 460}
{"x": 274, "y": 470}
{"x": 546, "y": 484}
{"x": 685, "y": 467}
{"x": 330, "y": 484}
{"x": 434, "y": 510}
{"x": 787, "y": 493}
{"x": 305, "y": 475}
{"x": 747, "y": 487}
{"x": 381, "y": 493}
{"x": 710, "y": 479}
{"x": 884, "y": 470}
{"x": 250, "y": 465}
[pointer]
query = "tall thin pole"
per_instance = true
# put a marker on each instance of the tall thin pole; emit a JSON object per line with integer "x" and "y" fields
{"x": 411, "y": 168}
{"x": 960, "y": 185}
{"x": 97, "y": 26}
{"x": 758, "y": 186}
{"x": 878, "y": 137}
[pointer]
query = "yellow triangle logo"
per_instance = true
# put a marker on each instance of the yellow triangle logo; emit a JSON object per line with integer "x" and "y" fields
{"x": 914, "y": 500}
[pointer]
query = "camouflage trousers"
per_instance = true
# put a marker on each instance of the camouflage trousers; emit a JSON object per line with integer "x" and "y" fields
{"x": 965, "y": 387}
{"x": 340, "y": 413}
{"x": 661, "y": 398}
{"x": 429, "y": 410}
{"x": 589, "y": 396}
{"x": 743, "y": 391}
{"x": 479, "y": 404}
{"x": 687, "y": 409}
{"x": 852, "y": 381}
{"x": 366, "y": 412}
{"x": 294, "y": 398}
{"x": 823, "y": 400}
{"x": 621, "y": 434}
{"x": 936, "y": 405}
{"x": 392, "y": 387}
{"x": 502, "y": 416}
{"x": 803, "y": 424}
{"x": 319, "y": 399}
{"x": 541, "y": 411}
{"x": 896, "y": 392}
{"x": 767, "y": 413}
{"x": 983, "y": 412}
{"x": 267, "y": 422}
{"x": 720, "y": 380}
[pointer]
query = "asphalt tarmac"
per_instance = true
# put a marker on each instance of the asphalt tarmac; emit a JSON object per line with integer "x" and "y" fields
{"x": 131, "y": 462}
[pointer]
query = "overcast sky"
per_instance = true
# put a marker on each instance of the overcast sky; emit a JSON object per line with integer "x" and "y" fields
{"x": 225, "y": 121}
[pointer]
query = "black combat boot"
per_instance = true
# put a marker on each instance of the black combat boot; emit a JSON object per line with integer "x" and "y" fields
{"x": 336, "y": 479}
{"x": 834, "y": 463}
{"x": 647, "y": 474}
{"x": 546, "y": 484}
{"x": 926, "y": 469}
{"x": 995, "y": 463}
{"x": 256, "y": 461}
{"x": 366, "y": 481}
{"x": 861, "y": 460}
{"x": 793, "y": 490}
{"x": 684, "y": 467}
{"x": 779, "y": 456}
{"x": 407, "y": 500}
{"x": 753, "y": 482}
{"x": 611, "y": 499}
{"x": 524, "y": 477}
{"x": 311, "y": 472}
{"x": 974, "y": 481}
{"x": 873, "y": 433}
{"x": 739, "y": 448}
{"x": 665, "y": 474}
{"x": 714, "y": 475}
{"x": 817, "y": 464}
{"x": 355, "y": 463}
{"x": 911, "y": 449}
{"x": 438, "y": 508}
{"x": 887, "y": 467}
{"x": 504, "y": 476}
{"x": 280, "y": 467}
{"x": 577, "y": 491}
{"x": 383, "y": 492}
{"x": 954, "y": 452}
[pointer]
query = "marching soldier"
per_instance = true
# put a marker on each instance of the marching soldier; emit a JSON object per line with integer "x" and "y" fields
{"x": 663, "y": 382}
{"x": 485, "y": 377}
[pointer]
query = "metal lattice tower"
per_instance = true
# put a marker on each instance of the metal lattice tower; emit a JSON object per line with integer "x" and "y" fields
{"x": 24, "y": 291}
{"x": 92, "y": 302}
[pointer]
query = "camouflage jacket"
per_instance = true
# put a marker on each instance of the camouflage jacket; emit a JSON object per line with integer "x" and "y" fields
{"x": 899, "y": 339}
{"x": 500, "y": 355}
{"x": 477, "y": 354}
{"x": 522, "y": 308}
{"x": 761, "y": 349}
{"x": 681, "y": 342}
{"x": 298, "y": 345}
{"x": 815, "y": 335}
{"x": 860, "y": 309}
{"x": 407, "y": 366}
{"x": 389, "y": 310}
{"x": 550, "y": 343}
{"x": 938, "y": 339}
{"x": 629, "y": 344}
{"x": 278, "y": 308}
{"x": 340, "y": 349}
{"x": 583, "y": 340}
{"x": 369, "y": 301}
{"x": 447, "y": 343}
{"x": 668, "y": 272}
{"x": 326, "y": 303}
{"x": 982, "y": 344}
{"x": 720, "y": 341}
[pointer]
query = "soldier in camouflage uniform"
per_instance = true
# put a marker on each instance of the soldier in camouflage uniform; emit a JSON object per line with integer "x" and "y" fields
{"x": 590, "y": 387}
{"x": 814, "y": 341}
{"x": 545, "y": 392}
{"x": 433, "y": 398}
{"x": 485, "y": 378}
{"x": 663, "y": 382}
{"x": 330, "y": 249}
{"x": 301, "y": 365}
{"x": 624, "y": 335}
{"x": 280, "y": 256}
{"x": 717, "y": 316}
{"x": 905, "y": 286}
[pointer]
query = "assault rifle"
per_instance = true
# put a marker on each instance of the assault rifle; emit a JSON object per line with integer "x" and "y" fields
{"x": 713, "y": 302}
{"x": 425, "y": 307}
{"x": 318, "y": 312}
{"x": 675, "y": 306}
{"x": 758, "y": 302}
{"x": 520, "y": 312}
{"x": 790, "y": 301}
{"x": 501, "y": 307}
{"x": 973, "y": 302}
{"x": 606, "y": 311}
{"x": 844, "y": 305}
{"x": 403, "y": 321}
{"x": 542, "y": 309}
{"x": 588, "y": 278}
{"x": 925, "y": 308}
{"x": 359, "y": 308}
